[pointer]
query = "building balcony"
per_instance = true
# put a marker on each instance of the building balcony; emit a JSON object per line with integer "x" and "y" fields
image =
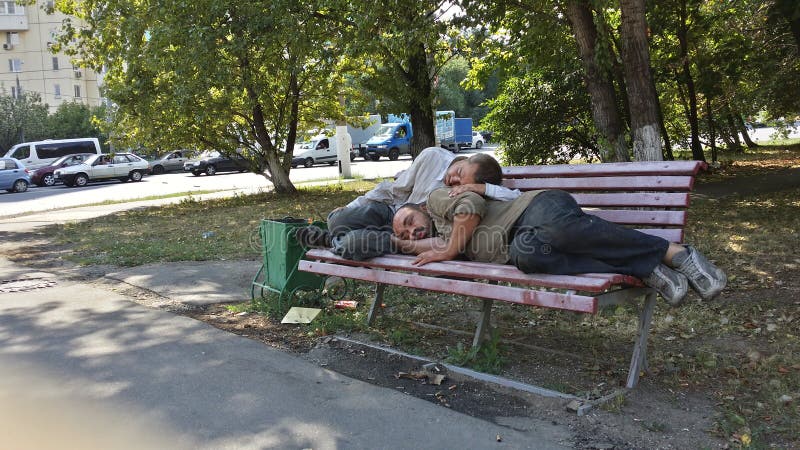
{"x": 13, "y": 22}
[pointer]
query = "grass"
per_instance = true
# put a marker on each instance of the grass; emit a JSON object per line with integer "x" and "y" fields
{"x": 742, "y": 350}
{"x": 175, "y": 232}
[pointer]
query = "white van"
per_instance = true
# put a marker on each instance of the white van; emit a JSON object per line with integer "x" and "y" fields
{"x": 41, "y": 153}
{"x": 320, "y": 149}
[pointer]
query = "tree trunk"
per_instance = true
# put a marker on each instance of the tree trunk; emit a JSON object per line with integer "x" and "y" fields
{"x": 638, "y": 82}
{"x": 274, "y": 170}
{"x": 712, "y": 136}
{"x": 737, "y": 145}
{"x": 601, "y": 89}
{"x": 277, "y": 175}
{"x": 664, "y": 135}
{"x": 694, "y": 125}
{"x": 420, "y": 106}
{"x": 745, "y": 135}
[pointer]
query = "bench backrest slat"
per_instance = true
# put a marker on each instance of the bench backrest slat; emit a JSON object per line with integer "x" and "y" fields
{"x": 631, "y": 183}
{"x": 637, "y": 217}
{"x": 651, "y": 196}
{"x": 670, "y": 234}
{"x": 635, "y": 199}
{"x": 606, "y": 169}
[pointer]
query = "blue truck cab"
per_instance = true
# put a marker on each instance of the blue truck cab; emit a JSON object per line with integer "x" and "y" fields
{"x": 392, "y": 140}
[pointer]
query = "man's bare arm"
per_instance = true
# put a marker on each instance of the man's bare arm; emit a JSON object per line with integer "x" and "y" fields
{"x": 463, "y": 228}
{"x": 418, "y": 246}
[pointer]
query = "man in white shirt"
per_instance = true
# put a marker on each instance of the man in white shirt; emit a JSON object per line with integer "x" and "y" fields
{"x": 362, "y": 229}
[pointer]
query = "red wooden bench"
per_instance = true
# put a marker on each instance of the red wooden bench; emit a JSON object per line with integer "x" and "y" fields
{"x": 650, "y": 196}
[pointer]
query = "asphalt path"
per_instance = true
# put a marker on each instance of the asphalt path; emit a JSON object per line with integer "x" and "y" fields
{"x": 38, "y": 199}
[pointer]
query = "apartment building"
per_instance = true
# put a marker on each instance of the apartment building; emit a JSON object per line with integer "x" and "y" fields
{"x": 28, "y": 65}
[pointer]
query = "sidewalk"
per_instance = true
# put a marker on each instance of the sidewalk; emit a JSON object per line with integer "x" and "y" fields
{"x": 84, "y": 367}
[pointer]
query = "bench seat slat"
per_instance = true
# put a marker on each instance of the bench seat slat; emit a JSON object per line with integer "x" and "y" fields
{"x": 524, "y": 296}
{"x": 605, "y": 169}
{"x": 632, "y": 183}
{"x": 484, "y": 271}
{"x": 635, "y": 199}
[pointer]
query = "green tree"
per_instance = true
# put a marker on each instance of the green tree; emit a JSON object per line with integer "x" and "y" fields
{"x": 76, "y": 120}
{"x": 211, "y": 74}
{"x": 543, "y": 121}
{"x": 404, "y": 45}
{"x": 24, "y": 119}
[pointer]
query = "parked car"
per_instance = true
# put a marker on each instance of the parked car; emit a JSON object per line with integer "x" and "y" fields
{"x": 44, "y": 176}
{"x": 487, "y": 135}
{"x": 169, "y": 162}
{"x": 14, "y": 177}
{"x": 211, "y": 163}
{"x": 120, "y": 166}
{"x": 477, "y": 140}
{"x": 41, "y": 153}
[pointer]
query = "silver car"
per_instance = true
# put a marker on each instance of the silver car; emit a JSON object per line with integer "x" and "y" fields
{"x": 120, "y": 166}
{"x": 169, "y": 162}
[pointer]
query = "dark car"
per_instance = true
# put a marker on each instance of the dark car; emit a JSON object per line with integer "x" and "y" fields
{"x": 213, "y": 162}
{"x": 43, "y": 176}
{"x": 487, "y": 135}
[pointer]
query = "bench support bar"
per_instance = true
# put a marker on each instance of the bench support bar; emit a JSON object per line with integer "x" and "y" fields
{"x": 484, "y": 324}
{"x": 376, "y": 303}
{"x": 639, "y": 358}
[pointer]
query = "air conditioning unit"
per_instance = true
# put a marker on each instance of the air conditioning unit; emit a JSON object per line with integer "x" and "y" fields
{"x": 78, "y": 74}
{"x": 8, "y": 46}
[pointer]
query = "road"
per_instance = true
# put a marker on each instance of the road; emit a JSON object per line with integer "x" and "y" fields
{"x": 38, "y": 199}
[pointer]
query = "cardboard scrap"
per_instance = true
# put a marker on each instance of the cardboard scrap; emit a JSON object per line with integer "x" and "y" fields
{"x": 297, "y": 314}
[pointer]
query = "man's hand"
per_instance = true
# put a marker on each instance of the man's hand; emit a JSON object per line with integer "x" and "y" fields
{"x": 479, "y": 189}
{"x": 433, "y": 255}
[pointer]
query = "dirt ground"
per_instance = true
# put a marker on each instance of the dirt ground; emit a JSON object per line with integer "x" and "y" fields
{"x": 655, "y": 415}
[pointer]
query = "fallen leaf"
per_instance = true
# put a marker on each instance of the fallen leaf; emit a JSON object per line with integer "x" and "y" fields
{"x": 783, "y": 369}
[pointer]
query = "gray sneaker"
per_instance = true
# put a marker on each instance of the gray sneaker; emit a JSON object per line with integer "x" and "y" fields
{"x": 673, "y": 286}
{"x": 704, "y": 277}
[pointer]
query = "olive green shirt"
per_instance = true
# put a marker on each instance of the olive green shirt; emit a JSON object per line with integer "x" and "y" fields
{"x": 489, "y": 242}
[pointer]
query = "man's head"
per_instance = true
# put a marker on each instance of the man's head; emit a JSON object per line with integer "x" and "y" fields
{"x": 411, "y": 222}
{"x": 479, "y": 168}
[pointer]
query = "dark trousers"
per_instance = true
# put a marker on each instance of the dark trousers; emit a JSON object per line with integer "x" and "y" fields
{"x": 555, "y": 236}
{"x": 362, "y": 232}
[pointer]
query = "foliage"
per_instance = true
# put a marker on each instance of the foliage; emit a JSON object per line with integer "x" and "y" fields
{"x": 76, "y": 120}
{"x": 403, "y": 45}
{"x": 235, "y": 77}
{"x": 174, "y": 232}
{"x": 541, "y": 121}
{"x": 487, "y": 357}
{"x": 23, "y": 119}
{"x": 452, "y": 93}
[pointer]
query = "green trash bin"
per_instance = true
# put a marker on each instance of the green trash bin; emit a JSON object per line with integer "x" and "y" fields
{"x": 281, "y": 253}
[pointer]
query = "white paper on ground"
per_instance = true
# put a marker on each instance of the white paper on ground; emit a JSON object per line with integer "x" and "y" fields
{"x": 300, "y": 315}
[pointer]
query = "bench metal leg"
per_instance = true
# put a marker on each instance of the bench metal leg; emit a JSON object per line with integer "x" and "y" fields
{"x": 483, "y": 323}
{"x": 639, "y": 358}
{"x": 376, "y": 302}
